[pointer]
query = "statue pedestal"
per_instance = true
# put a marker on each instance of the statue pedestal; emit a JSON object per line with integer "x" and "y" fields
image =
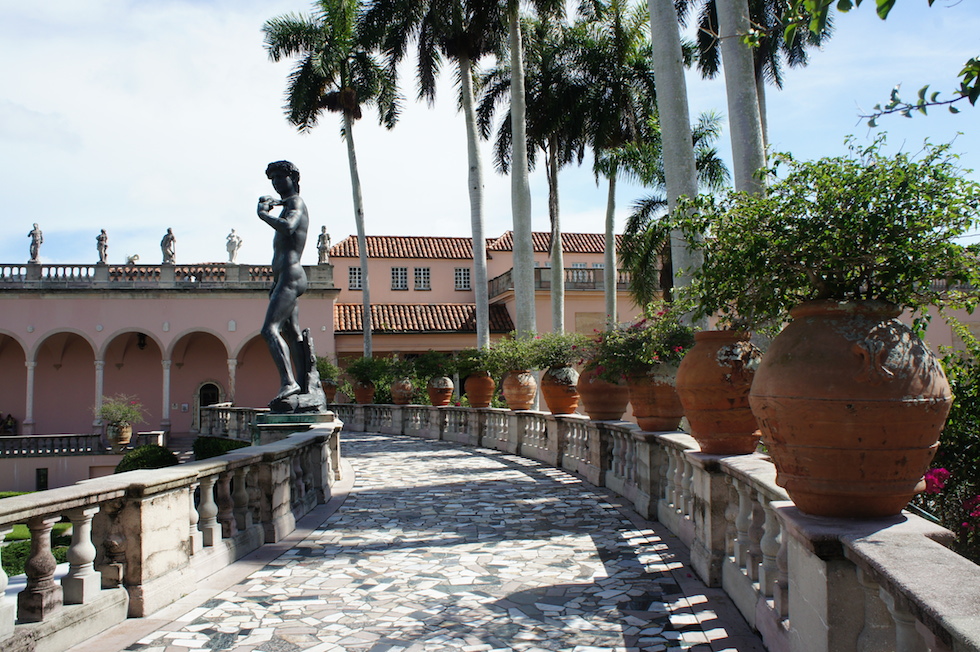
{"x": 271, "y": 427}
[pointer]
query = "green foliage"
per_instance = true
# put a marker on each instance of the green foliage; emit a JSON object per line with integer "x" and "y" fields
{"x": 513, "y": 353}
{"x": 15, "y": 555}
{"x": 8, "y": 494}
{"x": 120, "y": 409}
{"x": 559, "y": 349}
{"x": 860, "y": 226}
{"x": 471, "y": 361}
{"x": 433, "y": 364}
{"x": 368, "y": 370}
{"x": 635, "y": 349}
{"x": 150, "y": 456}
{"x": 327, "y": 369}
{"x": 208, "y": 447}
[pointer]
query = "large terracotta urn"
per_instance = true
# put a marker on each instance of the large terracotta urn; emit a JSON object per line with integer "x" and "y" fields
{"x": 479, "y": 389}
{"x": 329, "y": 389}
{"x": 713, "y": 382}
{"x": 440, "y": 390}
{"x": 401, "y": 391}
{"x": 519, "y": 389}
{"x": 559, "y": 389}
{"x": 119, "y": 435}
{"x": 363, "y": 392}
{"x": 602, "y": 400}
{"x": 851, "y": 404}
{"x": 653, "y": 396}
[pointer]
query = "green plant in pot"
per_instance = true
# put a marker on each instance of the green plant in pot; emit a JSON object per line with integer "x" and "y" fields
{"x": 329, "y": 376}
{"x": 646, "y": 353}
{"x": 118, "y": 414}
{"x": 556, "y": 355}
{"x": 849, "y": 400}
{"x": 516, "y": 355}
{"x": 437, "y": 369}
{"x": 604, "y": 396}
{"x": 477, "y": 369}
{"x": 365, "y": 373}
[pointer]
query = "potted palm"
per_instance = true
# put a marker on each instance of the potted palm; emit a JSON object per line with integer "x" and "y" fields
{"x": 556, "y": 353}
{"x": 517, "y": 357}
{"x": 436, "y": 369}
{"x": 329, "y": 373}
{"x": 850, "y": 401}
{"x": 364, "y": 373}
{"x": 118, "y": 414}
{"x": 477, "y": 369}
{"x": 647, "y": 353}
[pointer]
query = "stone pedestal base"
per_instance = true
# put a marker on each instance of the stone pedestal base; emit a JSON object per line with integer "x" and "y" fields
{"x": 272, "y": 427}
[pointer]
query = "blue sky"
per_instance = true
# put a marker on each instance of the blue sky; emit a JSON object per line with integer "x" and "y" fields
{"x": 139, "y": 116}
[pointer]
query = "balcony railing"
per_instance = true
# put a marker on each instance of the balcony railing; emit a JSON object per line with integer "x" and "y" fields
{"x": 202, "y": 276}
{"x": 576, "y": 278}
{"x": 805, "y": 583}
{"x": 62, "y": 445}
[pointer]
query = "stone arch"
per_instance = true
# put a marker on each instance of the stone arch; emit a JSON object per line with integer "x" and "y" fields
{"x": 64, "y": 383}
{"x": 58, "y": 331}
{"x": 13, "y": 379}
{"x": 133, "y": 367}
{"x": 196, "y": 357}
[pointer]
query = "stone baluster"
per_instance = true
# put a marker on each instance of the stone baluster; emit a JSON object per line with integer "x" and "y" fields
{"x": 208, "y": 511}
{"x": 678, "y": 480}
{"x": 742, "y": 523}
{"x": 878, "y": 634}
{"x": 243, "y": 514}
{"x": 299, "y": 485}
{"x": 7, "y": 612}
{"x": 769, "y": 545}
{"x": 907, "y": 639}
{"x": 226, "y": 506}
{"x": 687, "y": 487}
{"x": 756, "y": 532}
{"x": 781, "y": 591}
{"x": 42, "y": 596}
{"x": 194, "y": 534}
{"x": 731, "y": 513}
{"x": 669, "y": 494}
{"x": 83, "y": 582}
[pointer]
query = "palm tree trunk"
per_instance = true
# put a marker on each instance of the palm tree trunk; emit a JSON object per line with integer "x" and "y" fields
{"x": 610, "y": 273}
{"x": 355, "y": 184}
{"x": 520, "y": 188}
{"x": 744, "y": 120}
{"x": 760, "y": 92}
{"x": 675, "y": 125}
{"x": 476, "y": 206}
{"x": 557, "y": 254}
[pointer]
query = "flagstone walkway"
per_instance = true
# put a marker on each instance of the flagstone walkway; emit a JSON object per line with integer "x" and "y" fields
{"x": 442, "y": 547}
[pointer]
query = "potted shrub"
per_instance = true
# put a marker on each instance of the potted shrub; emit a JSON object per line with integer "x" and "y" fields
{"x": 436, "y": 369}
{"x": 849, "y": 399}
{"x": 604, "y": 396}
{"x": 364, "y": 373}
{"x": 647, "y": 353}
{"x": 402, "y": 371}
{"x": 118, "y": 414}
{"x": 556, "y": 353}
{"x": 329, "y": 374}
{"x": 517, "y": 357}
{"x": 477, "y": 369}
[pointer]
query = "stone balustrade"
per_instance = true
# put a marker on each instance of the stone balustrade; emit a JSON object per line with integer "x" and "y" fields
{"x": 805, "y": 583}
{"x": 227, "y": 420}
{"x": 141, "y": 540}
{"x": 62, "y": 445}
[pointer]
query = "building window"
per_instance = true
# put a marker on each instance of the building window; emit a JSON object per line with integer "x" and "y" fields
{"x": 598, "y": 265}
{"x": 399, "y": 278}
{"x": 354, "y": 279}
{"x": 462, "y": 278}
{"x": 422, "y": 275}
{"x": 41, "y": 479}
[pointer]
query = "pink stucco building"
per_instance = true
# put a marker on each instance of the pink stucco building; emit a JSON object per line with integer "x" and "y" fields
{"x": 181, "y": 336}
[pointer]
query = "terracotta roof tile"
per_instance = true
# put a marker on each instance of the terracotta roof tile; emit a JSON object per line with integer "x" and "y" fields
{"x": 419, "y": 318}
{"x": 572, "y": 243}
{"x": 384, "y": 246}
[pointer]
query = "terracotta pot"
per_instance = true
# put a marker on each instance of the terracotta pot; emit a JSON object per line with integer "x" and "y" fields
{"x": 363, "y": 392}
{"x": 329, "y": 390}
{"x": 559, "y": 389}
{"x": 401, "y": 392}
{"x": 440, "y": 389}
{"x": 851, "y": 404}
{"x": 656, "y": 405}
{"x": 519, "y": 389}
{"x": 479, "y": 389}
{"x": 119, "y": 435}
{"x": 713, "y": 382}
{"x": 602, "y": 400}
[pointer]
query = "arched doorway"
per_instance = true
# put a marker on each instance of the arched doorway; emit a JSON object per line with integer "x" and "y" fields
{"x": 208, "y": 393}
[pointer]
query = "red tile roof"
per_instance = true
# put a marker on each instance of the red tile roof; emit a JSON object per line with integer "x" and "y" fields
{"x": 418, "y": 318}
{"x": 396, "y": 246}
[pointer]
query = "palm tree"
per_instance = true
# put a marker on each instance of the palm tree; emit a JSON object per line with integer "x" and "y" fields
{"x": 337, "y": 73}
{"x": 462, "y": 32}
{"x": 555, "y": 97}
{"x": 645, "y": 241}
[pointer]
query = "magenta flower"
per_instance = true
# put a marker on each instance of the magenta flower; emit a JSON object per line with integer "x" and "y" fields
{"x": 936, "y": 480}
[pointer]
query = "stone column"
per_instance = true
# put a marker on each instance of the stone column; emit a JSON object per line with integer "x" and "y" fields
{"x": 42, "y": 596}
{"x": 165, "y": 414}
{"x": 83, "y": 582}
{"x": 99, "y": 388}
{"x": 232, "y": 366}
{"x": 28, "y": 425}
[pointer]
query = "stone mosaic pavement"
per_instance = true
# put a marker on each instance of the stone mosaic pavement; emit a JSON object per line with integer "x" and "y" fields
{"x": 442, "y": 547}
